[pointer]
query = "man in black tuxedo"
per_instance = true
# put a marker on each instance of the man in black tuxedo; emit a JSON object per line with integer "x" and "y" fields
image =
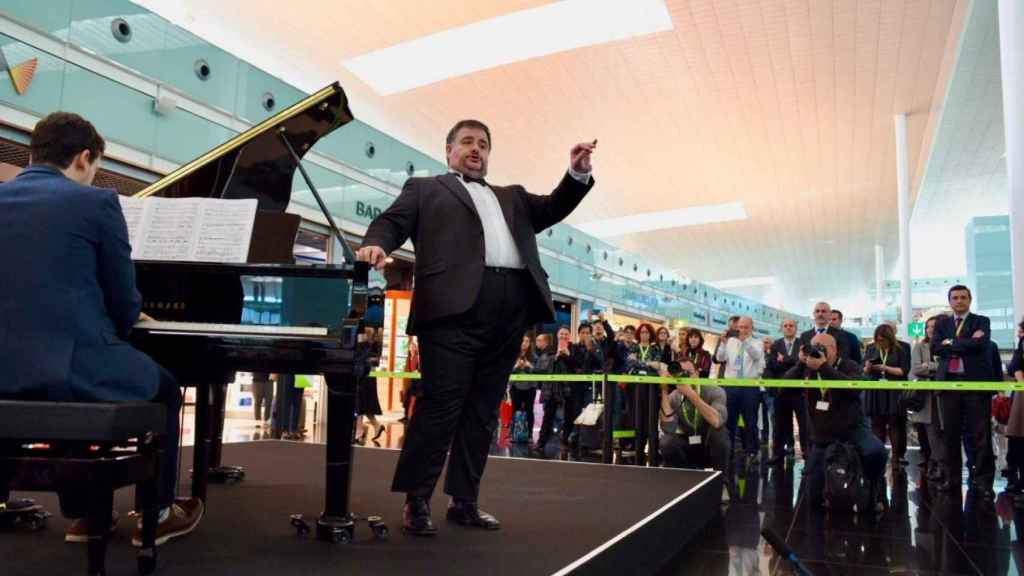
{"x": 789, "y": 402}
{"x": 853, "y": 344}
{"x": 823, "y": 325}
{"x": 478, "y": 284}
{"x": 961, "y": 344}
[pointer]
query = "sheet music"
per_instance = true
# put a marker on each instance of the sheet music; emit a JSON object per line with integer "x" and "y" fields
{"x": 190, "y": 229}
{"x": 132, "y": 208}
{"x": 225, "y": 230}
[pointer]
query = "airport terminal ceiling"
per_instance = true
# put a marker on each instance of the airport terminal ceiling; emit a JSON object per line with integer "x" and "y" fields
{"x": 749, "y": 142}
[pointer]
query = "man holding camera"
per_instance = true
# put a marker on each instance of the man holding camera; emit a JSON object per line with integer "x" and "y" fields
{"x": 693, "y": 423}
{"x": 743, "y": 357}
{"x": 835, "y": 414}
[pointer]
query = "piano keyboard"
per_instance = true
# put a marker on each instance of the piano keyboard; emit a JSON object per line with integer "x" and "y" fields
{"x": 205, "y": 328}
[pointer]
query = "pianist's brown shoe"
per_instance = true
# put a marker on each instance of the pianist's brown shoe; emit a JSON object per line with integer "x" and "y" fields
{"x": 183, "y": 518}
{"x": 78, "y": 531}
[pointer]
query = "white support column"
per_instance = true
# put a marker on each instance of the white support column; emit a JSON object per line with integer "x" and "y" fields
{"x": 1011, "y": 54}
{"x": 903, "y": 208}
{"x": 879, "y": 282}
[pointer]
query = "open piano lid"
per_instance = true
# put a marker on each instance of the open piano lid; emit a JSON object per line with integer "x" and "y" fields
{"x": 257, "y": 163}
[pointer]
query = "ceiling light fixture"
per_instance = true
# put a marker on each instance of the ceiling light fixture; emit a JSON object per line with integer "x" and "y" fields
{"x": 506, "y": 39}
{"x": 665, "y": 220}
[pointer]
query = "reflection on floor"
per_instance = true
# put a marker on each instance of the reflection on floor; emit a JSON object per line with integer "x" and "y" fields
{"x": 918, "y": 534}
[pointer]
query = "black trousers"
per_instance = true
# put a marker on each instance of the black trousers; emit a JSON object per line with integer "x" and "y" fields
{"x": 713, "y": 452}
{"x": 577, "y": 396}
{"x": 547, "y": 425}
{"x": 465, "y": 364}
{"x": 790, "y": 403}
{"x": 977, "y": 407}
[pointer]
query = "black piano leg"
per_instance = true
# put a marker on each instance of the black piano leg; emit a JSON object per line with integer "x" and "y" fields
{"x": 200, "y": 457}
{"x": 220, "y": 474}
{"x": 337, "y": 523}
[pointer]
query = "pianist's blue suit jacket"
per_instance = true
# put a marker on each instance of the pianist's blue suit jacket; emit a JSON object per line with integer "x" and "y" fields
{"x": 68, "y": 297}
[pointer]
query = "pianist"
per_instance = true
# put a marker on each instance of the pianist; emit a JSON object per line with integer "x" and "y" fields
{"x": 479, "y": 284}
{"x": 70, "y": 300}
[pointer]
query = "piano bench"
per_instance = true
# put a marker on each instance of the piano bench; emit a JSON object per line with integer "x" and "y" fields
{"x": 69, "y": 447}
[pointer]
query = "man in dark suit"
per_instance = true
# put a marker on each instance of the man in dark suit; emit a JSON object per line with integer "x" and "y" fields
{"x": 789, "y": 402}
{"x": 961, "y": 344}
{"x": 478, "y": 284}
{"x": 823, "y": 325}
{"x": 70, "y": 300}
{"x": 852, "y": 342}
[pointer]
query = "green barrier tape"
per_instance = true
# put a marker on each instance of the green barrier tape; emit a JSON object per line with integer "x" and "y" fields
{"x": 403, "y": 375}
{"x": 623, "y": 433}
{"x": 512, "y": 378}
{"x": 755, "y": 383}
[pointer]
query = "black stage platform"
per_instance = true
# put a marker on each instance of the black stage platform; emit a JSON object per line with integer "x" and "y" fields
{"x": 558, "y": 517}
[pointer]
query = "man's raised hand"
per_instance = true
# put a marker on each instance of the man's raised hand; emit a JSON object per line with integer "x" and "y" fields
{"x": 579, "y": 156}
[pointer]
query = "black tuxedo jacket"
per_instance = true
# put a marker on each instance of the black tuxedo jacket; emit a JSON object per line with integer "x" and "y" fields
{"x": 439, "y": 216}
{"x": 973, "y": 351}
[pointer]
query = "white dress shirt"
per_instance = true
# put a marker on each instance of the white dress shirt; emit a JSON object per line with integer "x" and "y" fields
{"x": 743, "y": 359}
{"x": 499, "y": 246}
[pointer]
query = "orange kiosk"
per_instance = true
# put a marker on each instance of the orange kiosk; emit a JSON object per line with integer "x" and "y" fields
{"x": 395, "y": 350}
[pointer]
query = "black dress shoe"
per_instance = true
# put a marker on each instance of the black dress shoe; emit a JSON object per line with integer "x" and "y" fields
{"x": 416, "y": 518}
{"x": 468, "y": 514}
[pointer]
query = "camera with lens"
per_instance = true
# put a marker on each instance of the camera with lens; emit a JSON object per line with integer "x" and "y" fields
{"x": 814, "y": 351}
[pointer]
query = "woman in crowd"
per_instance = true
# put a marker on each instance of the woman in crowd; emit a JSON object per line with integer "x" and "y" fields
{"x": 1015, "y": 426}
{"x": 679, "y": 344}
{"x": 553, "y": 394}
{"x": 367, "y": 403}
{"x": 886, "y": 359}
{"x": 694, "y": 352}
{"x": 585, "y": 357}
{"x": 665, "y": 344}
{"x": 926, "y": 420}
{"x": 524, "y": 393}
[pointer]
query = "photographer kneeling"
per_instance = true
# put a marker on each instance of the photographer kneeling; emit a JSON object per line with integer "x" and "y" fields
{"x": 836, "y": 417}
{"x": 693, "y": 423}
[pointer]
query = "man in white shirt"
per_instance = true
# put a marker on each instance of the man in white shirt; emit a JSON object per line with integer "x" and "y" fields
{"x": 743, "y": 356}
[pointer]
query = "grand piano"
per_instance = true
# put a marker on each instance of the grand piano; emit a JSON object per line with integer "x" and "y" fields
{"x": 198, "y": 331}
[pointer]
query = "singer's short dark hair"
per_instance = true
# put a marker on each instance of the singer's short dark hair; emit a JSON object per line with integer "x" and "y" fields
{"x": 959, "y": 288}
{"x": 839, "y": 312}
{"x": 469, "y": 123}
{"x": 60, "y": 136}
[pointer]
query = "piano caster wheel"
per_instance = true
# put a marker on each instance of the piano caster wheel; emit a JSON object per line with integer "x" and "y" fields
{"x": 226, "y": 475}
{"x": 300, "y": 525}
{"x": 380, "y": 530}
{"x": 335, "y": 530}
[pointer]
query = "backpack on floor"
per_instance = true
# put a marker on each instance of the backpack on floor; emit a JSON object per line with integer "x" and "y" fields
{"x": 520, "y": 428}
{"x": 846, "y": 488}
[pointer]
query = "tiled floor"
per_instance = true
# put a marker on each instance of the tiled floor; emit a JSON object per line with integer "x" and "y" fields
{"x": 917, "y": 534}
